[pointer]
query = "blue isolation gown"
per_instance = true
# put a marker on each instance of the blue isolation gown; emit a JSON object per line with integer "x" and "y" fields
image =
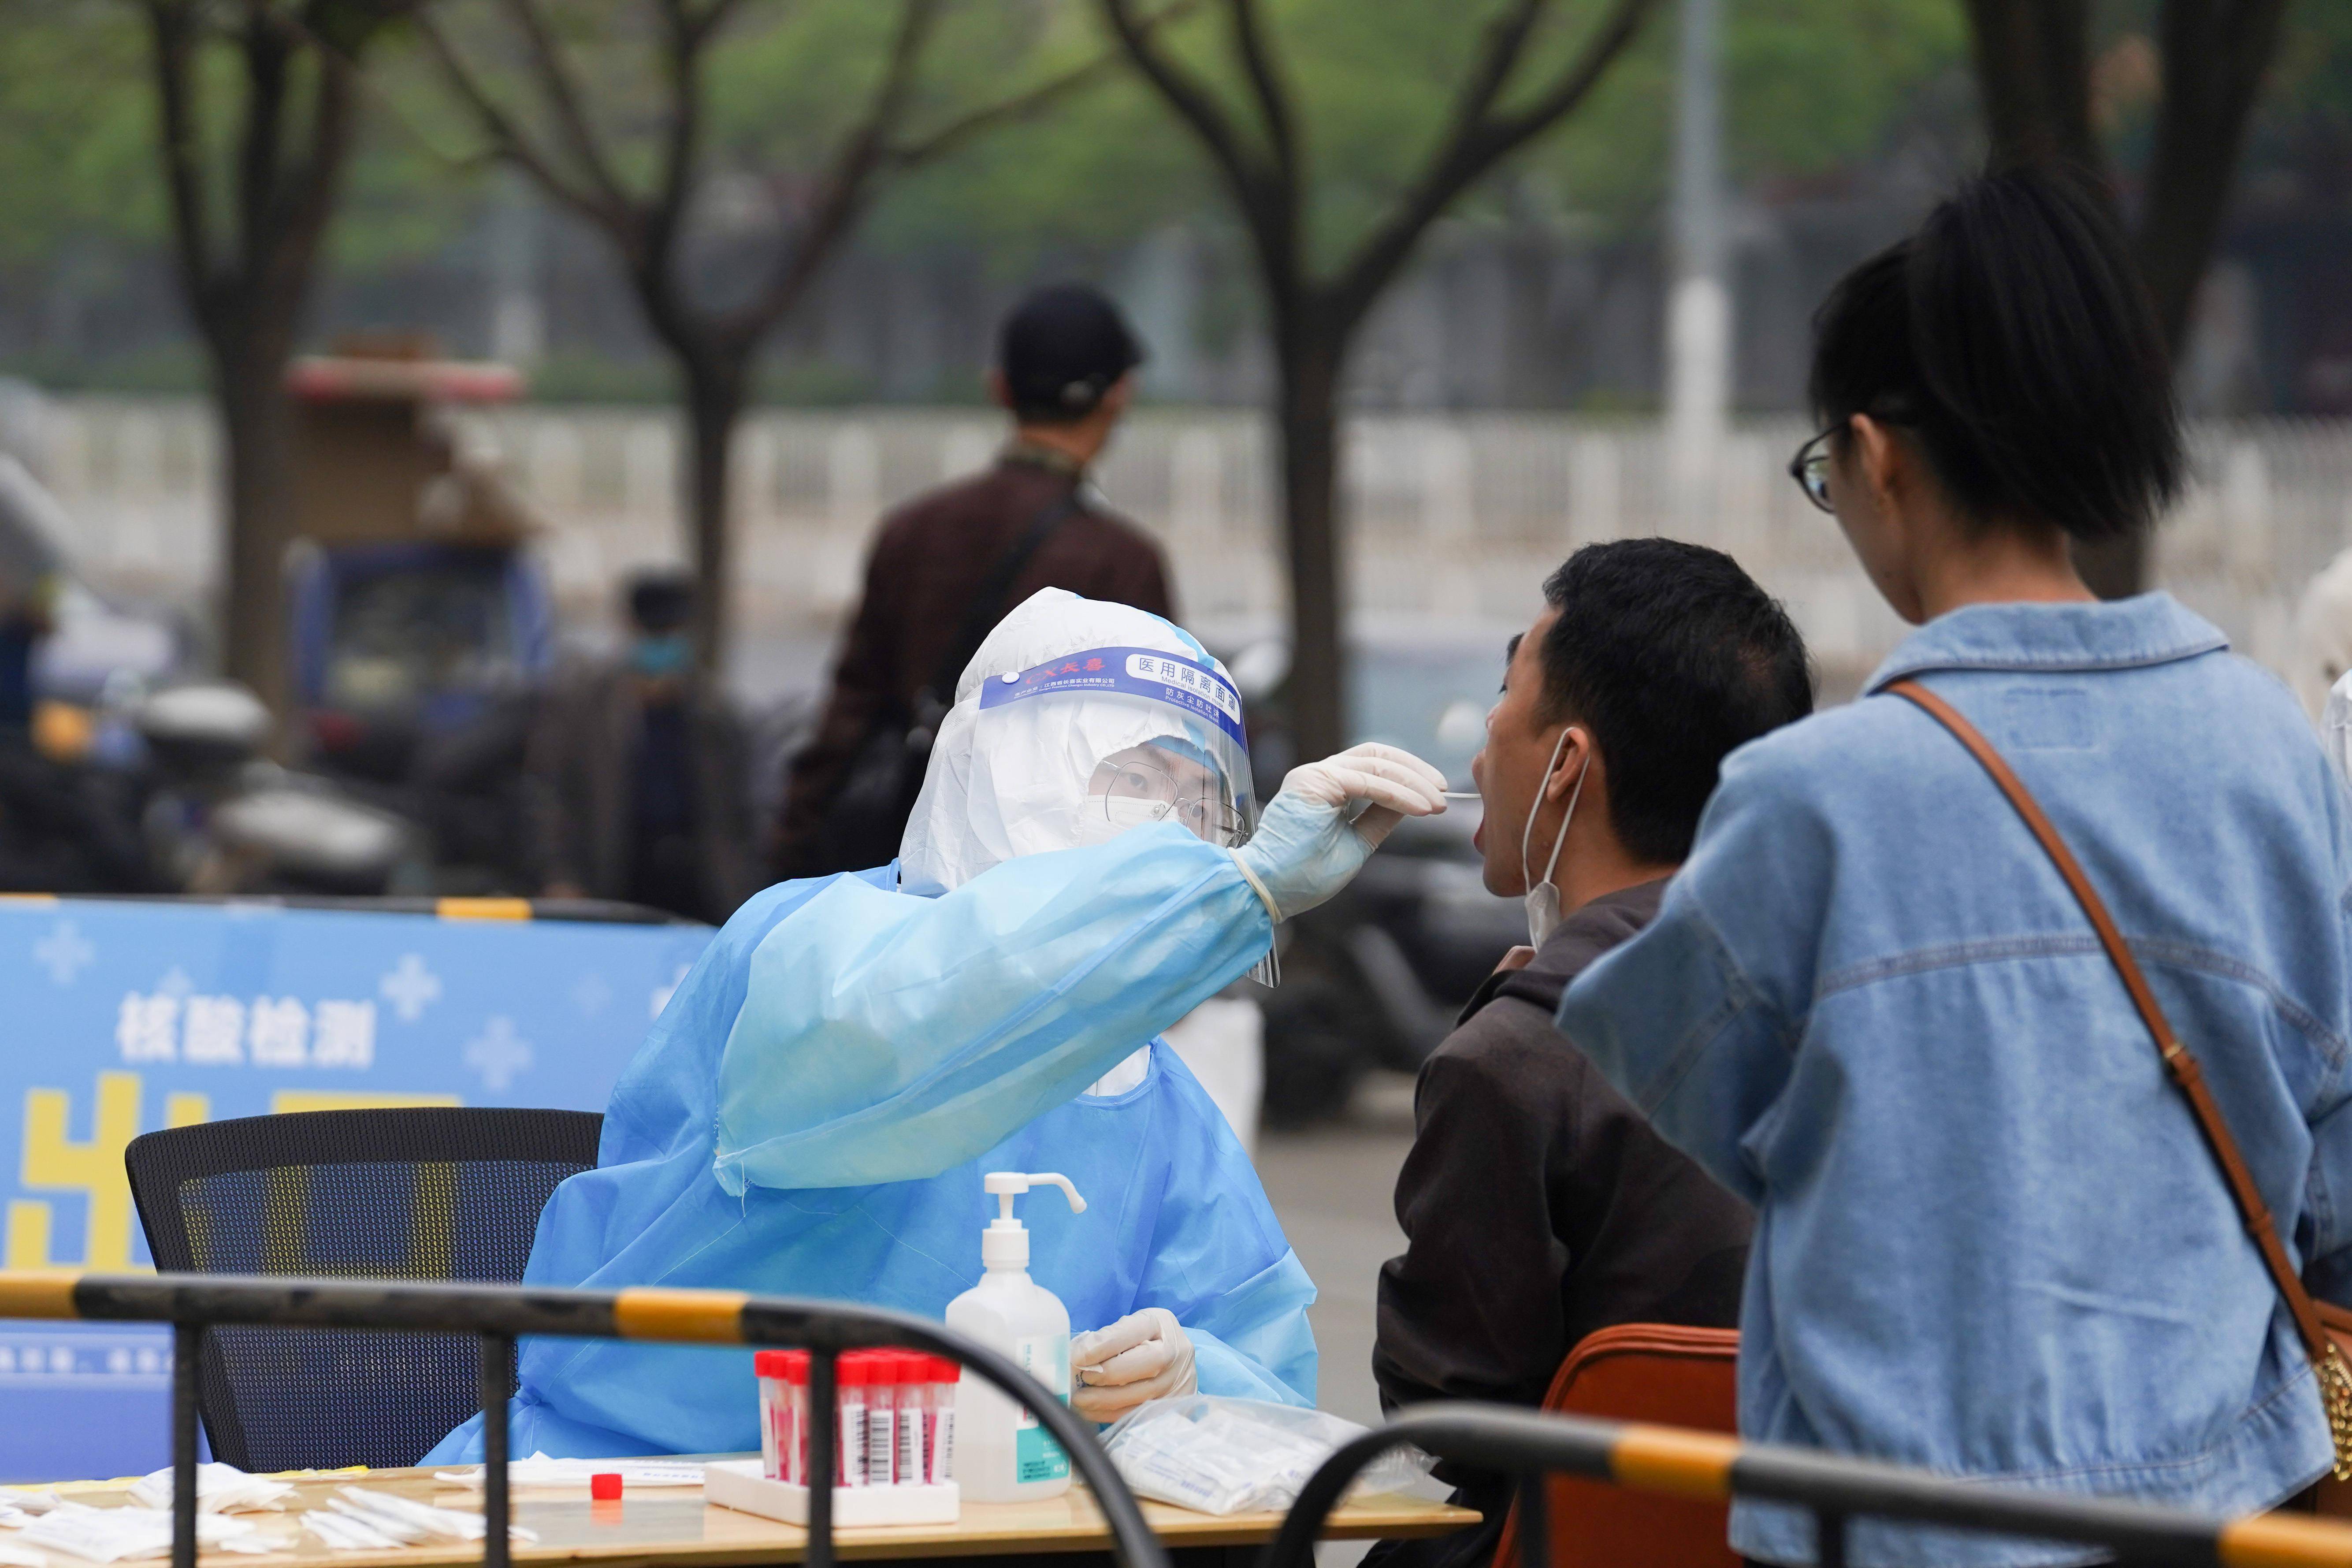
{"x": 812, "y": 1113}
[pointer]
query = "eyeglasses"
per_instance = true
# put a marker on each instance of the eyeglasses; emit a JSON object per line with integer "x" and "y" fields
{"x": 1208, "y": 818}
{"x": 1810, "y": 468}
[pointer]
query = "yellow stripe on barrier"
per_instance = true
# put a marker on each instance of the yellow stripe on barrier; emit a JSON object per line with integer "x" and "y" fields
{"x": 649, "y": 1313}
{"x": 2283, "y": 1540}
{"x": 482, "y": 909}
{"x": 1683, "y": 1464}
{"x": 38, "y": 900}
{"x": 24, "y": 1294}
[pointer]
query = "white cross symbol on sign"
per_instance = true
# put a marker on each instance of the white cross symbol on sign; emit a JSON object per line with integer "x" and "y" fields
{"x": 63, "y": 952}
{"x": 409, "y": 987}
{"x": 498, "y": 1054}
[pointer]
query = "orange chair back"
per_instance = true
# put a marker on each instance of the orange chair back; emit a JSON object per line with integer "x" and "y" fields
{"x": 1652, "y": 1373}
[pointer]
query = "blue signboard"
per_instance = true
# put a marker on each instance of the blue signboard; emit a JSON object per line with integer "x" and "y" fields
{"x": 124, "y": 1017}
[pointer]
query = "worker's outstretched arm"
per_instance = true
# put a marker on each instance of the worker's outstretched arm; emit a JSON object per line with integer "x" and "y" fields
{"x": 887, "y": 1039}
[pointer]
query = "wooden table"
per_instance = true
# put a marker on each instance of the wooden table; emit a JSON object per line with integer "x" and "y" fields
{"x": 671, "y": 1526}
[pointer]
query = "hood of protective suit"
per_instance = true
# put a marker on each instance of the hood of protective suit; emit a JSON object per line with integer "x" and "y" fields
{"x": 1011, "y": 767}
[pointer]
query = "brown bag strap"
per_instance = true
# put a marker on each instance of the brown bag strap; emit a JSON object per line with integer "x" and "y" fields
{"x": 2176, "y": 1059}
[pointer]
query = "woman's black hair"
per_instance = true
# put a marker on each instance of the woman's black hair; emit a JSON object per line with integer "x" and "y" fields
{"x": 2013, "y": 337}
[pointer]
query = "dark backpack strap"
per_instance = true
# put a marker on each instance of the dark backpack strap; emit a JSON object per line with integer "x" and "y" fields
{"x": 987, "y": 605}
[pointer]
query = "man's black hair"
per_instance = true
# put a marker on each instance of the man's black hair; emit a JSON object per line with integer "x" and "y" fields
{"x": 1061, "y": 349}
{"x": 2013, "y": 337}
{"x": 661, "y": 599}
{"x": 1671, "y": 656}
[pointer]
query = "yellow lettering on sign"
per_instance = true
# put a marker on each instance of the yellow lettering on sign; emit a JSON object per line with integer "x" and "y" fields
{"x": 352, "y": 1099}
{"x": 186, "y": 1109}
{"x": 28, "y": 1233}
{"x": 94, "y": 1168}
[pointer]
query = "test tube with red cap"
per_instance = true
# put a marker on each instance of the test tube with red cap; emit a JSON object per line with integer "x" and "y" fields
{"x": 939, "y": 1420}
{"x": 882, "y": 1418}
{"x": 773, "y": 1369}
{"x": 855, "y": 1382}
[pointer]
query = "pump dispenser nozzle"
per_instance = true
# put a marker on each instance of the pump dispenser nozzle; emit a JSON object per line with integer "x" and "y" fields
{"x": 1005, "y": 1243}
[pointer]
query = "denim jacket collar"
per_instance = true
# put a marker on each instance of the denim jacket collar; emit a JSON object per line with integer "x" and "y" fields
{"x": 2122, "y": 633}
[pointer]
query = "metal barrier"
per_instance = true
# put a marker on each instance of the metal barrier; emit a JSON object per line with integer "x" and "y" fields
{"x": 1710, "y": 1467}
{"x": 499, "y": 1314}
{"x": 590, "y": 912}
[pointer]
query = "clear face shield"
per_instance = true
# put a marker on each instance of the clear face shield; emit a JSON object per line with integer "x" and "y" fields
{"x": 1161, "y": 781}
{"x": 1083, "y": 748}
{"x": 1078, "y": 748}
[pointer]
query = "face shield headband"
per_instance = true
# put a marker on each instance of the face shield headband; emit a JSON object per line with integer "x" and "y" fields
{"x": 1211, "y": 709}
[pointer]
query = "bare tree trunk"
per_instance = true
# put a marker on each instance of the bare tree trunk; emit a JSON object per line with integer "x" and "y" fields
{"x": 2033, "y": 72}
{"x": 2214, "y": 53}
{"x": 1307, "y": 422}
{"x": 258, "y": 426}
{"x": 715, "y": 389}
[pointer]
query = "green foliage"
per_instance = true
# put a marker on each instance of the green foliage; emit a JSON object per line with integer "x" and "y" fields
{"x": 1812, "y": 85}
{"x": 77, "y": 139}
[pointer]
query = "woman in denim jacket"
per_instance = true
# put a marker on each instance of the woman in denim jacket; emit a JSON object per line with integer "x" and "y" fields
{"x": 1989, "y": 1240}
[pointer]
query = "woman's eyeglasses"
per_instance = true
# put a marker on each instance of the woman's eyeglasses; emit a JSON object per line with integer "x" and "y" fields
{"x": 1209, "y": 817}
{"x": 1810, "y": 468}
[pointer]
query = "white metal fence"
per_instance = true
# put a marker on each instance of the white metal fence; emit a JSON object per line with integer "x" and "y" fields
{"x": 1454, "y": 518}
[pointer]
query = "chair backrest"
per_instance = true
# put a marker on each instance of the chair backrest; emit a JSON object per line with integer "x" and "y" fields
{"x": 1659, "y": 1373}
{"x": 417, "y": 1193}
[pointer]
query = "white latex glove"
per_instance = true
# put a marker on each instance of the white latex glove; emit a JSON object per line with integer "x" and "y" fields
{"x": 1310, "y": 843}
{"x": 1144, "y": 1355}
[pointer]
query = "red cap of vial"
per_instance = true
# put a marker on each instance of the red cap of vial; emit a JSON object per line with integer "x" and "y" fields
{"x": 605, "y": 1487}
{"x": 946, "y": 1371}
{"x": 797, "y": 1366}
{"x": 772, "y": 1364}
{"x": 855, "y": 1369}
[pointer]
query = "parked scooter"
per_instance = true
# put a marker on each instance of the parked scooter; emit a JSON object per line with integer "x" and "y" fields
{"x": 222, "y": 818}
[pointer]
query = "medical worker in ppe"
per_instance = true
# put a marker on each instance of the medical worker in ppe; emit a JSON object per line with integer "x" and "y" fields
{"x": 814, "y": 1111}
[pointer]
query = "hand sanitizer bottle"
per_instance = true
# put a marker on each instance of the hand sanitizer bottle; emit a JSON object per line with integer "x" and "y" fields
{"x": 1001, "y": 1453}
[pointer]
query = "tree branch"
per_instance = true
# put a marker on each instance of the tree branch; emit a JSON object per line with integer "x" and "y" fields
{"x": 1254, "y": 188}
{"x": 1476, "y": 146}
{"x": 2033, "y": 74}
{"x": 945, "y": 139}
{"x": 508, "y": 140}
{"x": 1499, "y": 52}
{"x": 2215, "y": 53}
{"x": 1266, "y": 82}
{"x": 260, "y": 145}
{"x": 844, "y": 189}
{"x": 564, "y": 96}
{"x": 682, "y": 59}
{"x": 173, "y": 31}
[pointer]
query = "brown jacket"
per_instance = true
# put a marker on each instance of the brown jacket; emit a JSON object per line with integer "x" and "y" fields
{"x": 1538, "y": 1206}
{"x": 927, "y": 560}
{"x": 581, "y": 778}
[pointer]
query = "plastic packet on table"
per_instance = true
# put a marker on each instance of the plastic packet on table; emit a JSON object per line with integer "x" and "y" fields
{"x": 356, "y": 1519}
{"x": 220, "y": 1488}
{"x": 115, "y": 1534}
{"x": 1238, "y": 1456}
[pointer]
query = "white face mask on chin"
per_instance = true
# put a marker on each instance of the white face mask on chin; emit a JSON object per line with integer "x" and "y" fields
{"x": 1542, "y": 897}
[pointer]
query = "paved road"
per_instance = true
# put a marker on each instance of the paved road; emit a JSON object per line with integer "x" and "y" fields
{"x": 1333, "y": 1188}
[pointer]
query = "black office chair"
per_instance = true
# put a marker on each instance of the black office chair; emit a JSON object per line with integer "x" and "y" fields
{"x": 409, "y": 1194}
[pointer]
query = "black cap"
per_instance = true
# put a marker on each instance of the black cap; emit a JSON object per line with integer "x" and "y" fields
{"x": 661, "y": 599}
{"x": 1062, "y": 348}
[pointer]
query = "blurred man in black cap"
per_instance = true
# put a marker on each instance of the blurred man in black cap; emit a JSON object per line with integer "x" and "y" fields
{"x": 637, "y": 783}
{"x": 947, "y": 566}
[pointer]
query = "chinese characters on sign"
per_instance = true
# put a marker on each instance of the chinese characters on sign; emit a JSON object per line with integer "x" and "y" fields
{"x": 226, "y": 1031}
